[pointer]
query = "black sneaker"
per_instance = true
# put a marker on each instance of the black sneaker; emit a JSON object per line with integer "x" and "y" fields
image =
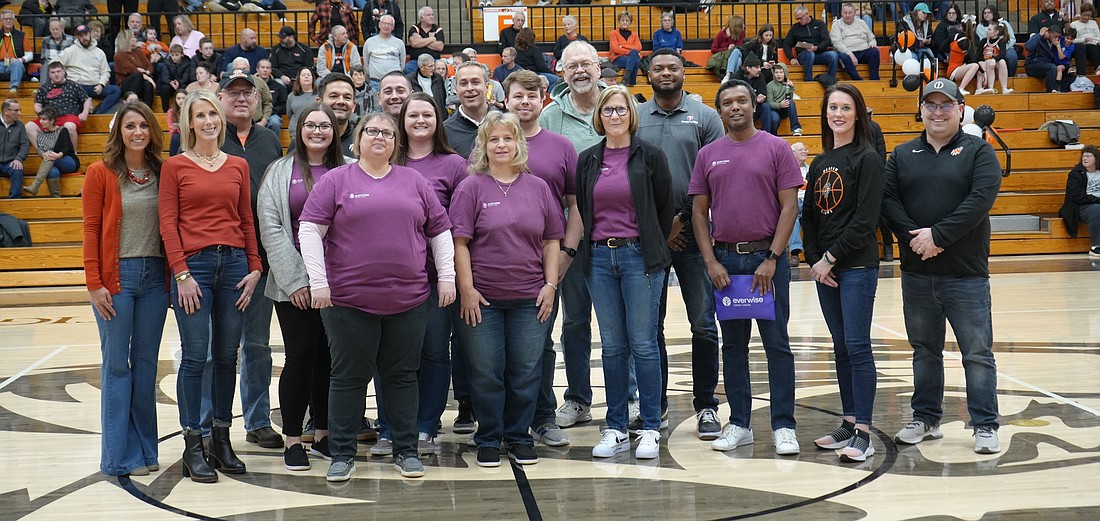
{"x": 320, "y": 449}
{"x": 465, "y": 422}
{"x": 295, "y": 458}
{"x": 367, "y": 432}
{"x": 522, "y": 454}
{"x": 488, "y": 457}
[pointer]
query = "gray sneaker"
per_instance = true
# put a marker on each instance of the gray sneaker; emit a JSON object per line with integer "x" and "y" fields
{"x": 340, "y": 470}
{"x": 917, "y": 431}
{"x": 425, "y": 444}
{"x": 409, "y": 466}
{"x": 382, "y": 447}
{"x": 551, "y": 435}
{"x": 986, "y": 441}
{"x": 707, "y": 424}
{"x": 571, "y": 413}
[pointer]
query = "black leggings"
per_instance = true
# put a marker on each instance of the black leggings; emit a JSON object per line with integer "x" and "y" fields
{"x": 137, "y": 84}
{"x": 1084, "y": 53}
{"x": 305, "y": 376}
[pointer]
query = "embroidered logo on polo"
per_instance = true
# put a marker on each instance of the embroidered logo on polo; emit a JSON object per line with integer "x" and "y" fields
{"x": 719, "y": 162}
{"x": 956, "y": 152}
{"x": 828, "y": 190}
{"x": 490, "y": 205}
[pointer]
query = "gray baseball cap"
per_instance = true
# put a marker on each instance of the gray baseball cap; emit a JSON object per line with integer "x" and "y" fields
{"x": 943, "y": 86}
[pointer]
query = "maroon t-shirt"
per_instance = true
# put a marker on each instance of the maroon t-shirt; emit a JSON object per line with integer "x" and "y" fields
{"x": 443, "y": 172}
{"x": 552, "y": 157}
{"x": 613, "y": 214}
{"x": 297, "y": 196}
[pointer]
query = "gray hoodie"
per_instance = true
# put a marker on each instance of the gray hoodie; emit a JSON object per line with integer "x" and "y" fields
{"x": 562, "y": 117}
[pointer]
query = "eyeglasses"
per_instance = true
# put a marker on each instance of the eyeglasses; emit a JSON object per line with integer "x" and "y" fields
{"x": 608, "y": 111}
{"x": 240, "y": 93}
{"x": 572, "y": 67}
{"x": 311, "y": 126}
{"x": 933, "y": 107}
{"x": 374, "y": 131}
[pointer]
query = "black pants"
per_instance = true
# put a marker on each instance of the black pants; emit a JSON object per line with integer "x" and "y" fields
{"x": 305, "y": 377}
{"x": 361, "y": 344}
{"x": 278, "y": 8}
{"x": 118, "y": 9}
{"x": 166, "y": 8}
{"x": 1085, "y": 53}
{"x": 137, "y": 84}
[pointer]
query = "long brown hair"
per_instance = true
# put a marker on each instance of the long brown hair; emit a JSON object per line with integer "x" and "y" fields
{"x": 334, "y": 155}
{"x": 114, "y": 156}
{"x": 439, "y": 137}
{"x": 735, "y": 27}
{"x": 863, "y": 120}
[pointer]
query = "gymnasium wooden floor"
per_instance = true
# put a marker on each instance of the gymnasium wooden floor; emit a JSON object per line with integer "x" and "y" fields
{"x": 1047, "y": 332}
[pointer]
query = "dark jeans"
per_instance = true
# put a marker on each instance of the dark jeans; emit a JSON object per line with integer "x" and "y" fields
{"x": 1049, "y": 72}
{"x": 1090, "y": 213}
{"x": 304, "y": 380}
{"x": 118, "y": 10}
{"x": 576, "y": 335}
{"x": 1085, "y": 53}
{"x": 929, "y": 301}
{"x": 869, "y": 56}
{"x": 109, "y": 96}
{"x": 698, "y": 294}
{"x": 809, "y": 58}
{"x": 791, "y": 113}
{"x": 547, "y": 401}
{"x": 777, "y": 346}
{"x": 848, "y": 310}
{"x": 629, "y": 64}
{"x": 15, "y": 191}
{"x": 504, "y": 360}
{"x": 362, "y": 343}
{"x": 136, "y": 83}
{"x": 768, "y": 118}
{"x": 166, "y": 8}
{"x": 435, "y": 366}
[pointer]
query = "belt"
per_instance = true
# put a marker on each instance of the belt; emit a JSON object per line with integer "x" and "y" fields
{"x": 744, "y": 248}
{"x": 615, "y": 242}
{"x": 220, "y": 248}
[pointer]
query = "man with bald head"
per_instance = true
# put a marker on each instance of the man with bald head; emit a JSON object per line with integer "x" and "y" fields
{"x": 337, "y": 54}
{"x": 247, "y": 47}
{"x": 383, "y": 53}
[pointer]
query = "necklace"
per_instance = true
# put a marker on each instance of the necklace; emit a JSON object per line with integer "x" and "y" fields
{"x": 509, "y": 185}
{"x": 209, "y": 160}
{"x": 133, "y": 175}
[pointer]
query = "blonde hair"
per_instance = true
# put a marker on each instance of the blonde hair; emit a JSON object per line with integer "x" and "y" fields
{"x": 362, "y": 128}
{"x": 605, "y": 97}
{"x": 479, "y": 157}
{"x": 123, "y": 40}
{"x": 187, "y": 136}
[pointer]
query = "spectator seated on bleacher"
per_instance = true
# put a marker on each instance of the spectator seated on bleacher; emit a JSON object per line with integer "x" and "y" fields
{"x": 337, "y": 54}
{"x": 383, "y": 53}
{"x": 1088, "y": 40}
{"x": 74, "y": 12}
{"x": 14, "y": 147}
{"x": 328, "y": 15}
{"x": 1082, "y": 202}
{"x": 56, "y": 149}
{"x": 366, "y": 98}
{"x": 222, "y": 6}
{"x": 289, "y": 56}
{"x": 275, "y": 7}
{"x": 134, "y": 24}
{"x": 278, "y": 94}
{"x": 151, "y": 46}
{"x": 807, "y": 44}
{"x": 97, "y": 30}
{"x": 204, "y": 79}
{"x": 854, "y": 43}
{"x": 531, "y": 58}
{"x": 247, "y": 48}
{"x": 508, "y": 35}
{"x": 725, "y": 49}
{"x": 374, "y": 12}
{"x": 86, "y": 65}
{"x": 186, "y": 36}
{"x": 424, "y": 38}
{"x": 72, "y": 103}
{"x": 55, "y": 42}
{"x": 918, "y": 22}
{"x": 781, "y": 99}
{"x": 1043, "y": 52}
{"x": 425, "y": 79}
{"x": 507, "y": 64}
{"x": 214, "y": 58}
{"x": 625, "y": 49}
{"x": 750, "y": 73}
{"x": 941, "y": 38}
{"x": 766, "y": 47}
{"x": 178, "y": 73}
{"x": 13, "y": 59}
{"x": 1047, "y": 17}
{"x": 668, "y": 36}
{"x": 133, "y": 70}
{"x": 35, "y": 13}
{"x": 569, "y": 24}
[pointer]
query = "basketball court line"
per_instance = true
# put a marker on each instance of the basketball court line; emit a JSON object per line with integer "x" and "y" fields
{"x": 31, "y": 367}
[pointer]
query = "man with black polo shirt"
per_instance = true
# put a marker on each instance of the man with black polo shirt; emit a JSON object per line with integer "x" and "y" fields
{"x": 939, "y": 190}
{"x": 424, "y": 38}
{"x": 289, "y": 56}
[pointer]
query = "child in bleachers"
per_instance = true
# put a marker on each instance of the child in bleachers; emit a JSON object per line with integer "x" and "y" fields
{"x": 173, "y": 122}
{"x": 781, "y": 98}
{"x": 1066, "y": 47}
{"x": 993, "y": 61}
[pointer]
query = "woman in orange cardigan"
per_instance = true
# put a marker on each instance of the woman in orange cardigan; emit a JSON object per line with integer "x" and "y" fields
{"x": 127, "y": 283}
{"x": 625, "y": 48}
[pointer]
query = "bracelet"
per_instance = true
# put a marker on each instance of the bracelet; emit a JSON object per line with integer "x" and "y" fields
{"x": 552, "y": 286}
{"x": 183, "y": 276}
{"x": 825, "y": 257}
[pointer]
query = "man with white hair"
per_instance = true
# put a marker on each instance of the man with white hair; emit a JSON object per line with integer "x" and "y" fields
{"x": 508, "y": 34}
{"x": 854, "y": 42}
{"x": 424, "y": 38}
{"x": 337, "y": 54}
{"x": 383, "y": 53}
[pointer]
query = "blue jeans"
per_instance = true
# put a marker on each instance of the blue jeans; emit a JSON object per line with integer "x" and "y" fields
{"x": 275, "y": 123}
{"x": 65, "y": 165}
{"x": 869, "y": 56}
{"x": 503, "y": 357}
{"x": 435, "y": 366}
{"x": 629, "y": 64}
{"x": 809, "y": 58}
{"x": 547, "y": 401}
{"x": 733, "y": 64}
{"x": 928, "y": 302}
{"x": 16, "y": 189}
{"x": 1090, "y": 214}
{"x": 173, "y": 144}
{"x": 130, "y": 342}
{"x": 777, "y": 346}
{"x": 848, "y": 310}
{"x": 627, "y": 302}
{"x": 795, "y": 242}
{"x": 698, "y": 294}
{"x": 768, "y": 118}
{"x": 576, "y": 335}
{"x": 790, "y": 113}
{"x": 109, "y": 96}
{"x": 1012, "y": 61}
{"x": 215, "y": 328}
{"x": 15, "y": 71}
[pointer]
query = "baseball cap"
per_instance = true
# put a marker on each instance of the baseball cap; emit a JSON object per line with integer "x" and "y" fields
{"x": 237, "y": 74}
{"x": 287, "y": 31}
{"x": 923, "y": 7}
{"x": 81, "y": 29}
{"x": 942, "y": 86}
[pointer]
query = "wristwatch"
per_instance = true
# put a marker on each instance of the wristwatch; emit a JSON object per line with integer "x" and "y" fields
{"x": 569, "y": 251}
{"x": 685, "y": 218}
{"x": 771, "y": 255}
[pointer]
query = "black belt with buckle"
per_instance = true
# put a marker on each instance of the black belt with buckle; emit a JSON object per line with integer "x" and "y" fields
{"x": 219, "y": 248}
{"x": 615, "y": 242}
{"x": 744, "y": 248}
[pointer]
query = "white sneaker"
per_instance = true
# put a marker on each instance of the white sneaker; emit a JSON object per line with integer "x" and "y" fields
{"x": 786, "y": 444}
{"x": 1007, "y": 91}
{"x": 917, "y": 431}
{"x": 964, "y": 92}
{"x": 732, "y": 437}
{"x": 649, "y": 445}
{"x": 571, "y": 413}
{"x": 611, "y": 443}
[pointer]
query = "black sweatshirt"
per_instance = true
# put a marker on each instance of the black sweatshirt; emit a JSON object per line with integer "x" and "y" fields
{"x": 815, "y": 33}
{"x": 950, "y": 192}
{"x": 844, "y": 194}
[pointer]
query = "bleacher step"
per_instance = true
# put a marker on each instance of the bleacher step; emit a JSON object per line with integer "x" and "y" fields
{"x": 1015, "y": 223}
{"x": 49, "y": 296}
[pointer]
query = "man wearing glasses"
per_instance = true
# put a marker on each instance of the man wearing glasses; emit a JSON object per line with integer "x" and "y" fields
{"x": 807, "y": 44}
{"x": 939, "y": 190}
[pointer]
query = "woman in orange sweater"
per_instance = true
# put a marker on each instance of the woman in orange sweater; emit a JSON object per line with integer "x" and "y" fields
{"x": 127, "y": 284}
{"x": 133, "y": 70}
{"x": 209, "y": 237}
{"x": 625, "y": 48}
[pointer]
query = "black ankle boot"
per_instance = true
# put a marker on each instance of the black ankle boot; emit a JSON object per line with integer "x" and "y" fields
{"x": 194, "y": 459}
{"x": 221, "y": 452}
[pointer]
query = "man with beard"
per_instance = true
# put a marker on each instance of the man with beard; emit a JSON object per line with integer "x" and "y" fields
{"x": 1047, "y": 17}
{"x": 86, "y": 65}
{"x": 247, "y": 48}
{"x": 681, "y": 126}
{"x": 289, "y": 56}
{"x": 472, "y": 87}
{"x": 259, "y": 147}
{"x": 570, "y": 114}
{"x": 746, "y": 185}
{"x": 552, "y": 158}
{"x": 392, "y": 91}
{"x": 338, "y": 92}
{"x": 67, "y": 97}
{"x": 338, "y": 55}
